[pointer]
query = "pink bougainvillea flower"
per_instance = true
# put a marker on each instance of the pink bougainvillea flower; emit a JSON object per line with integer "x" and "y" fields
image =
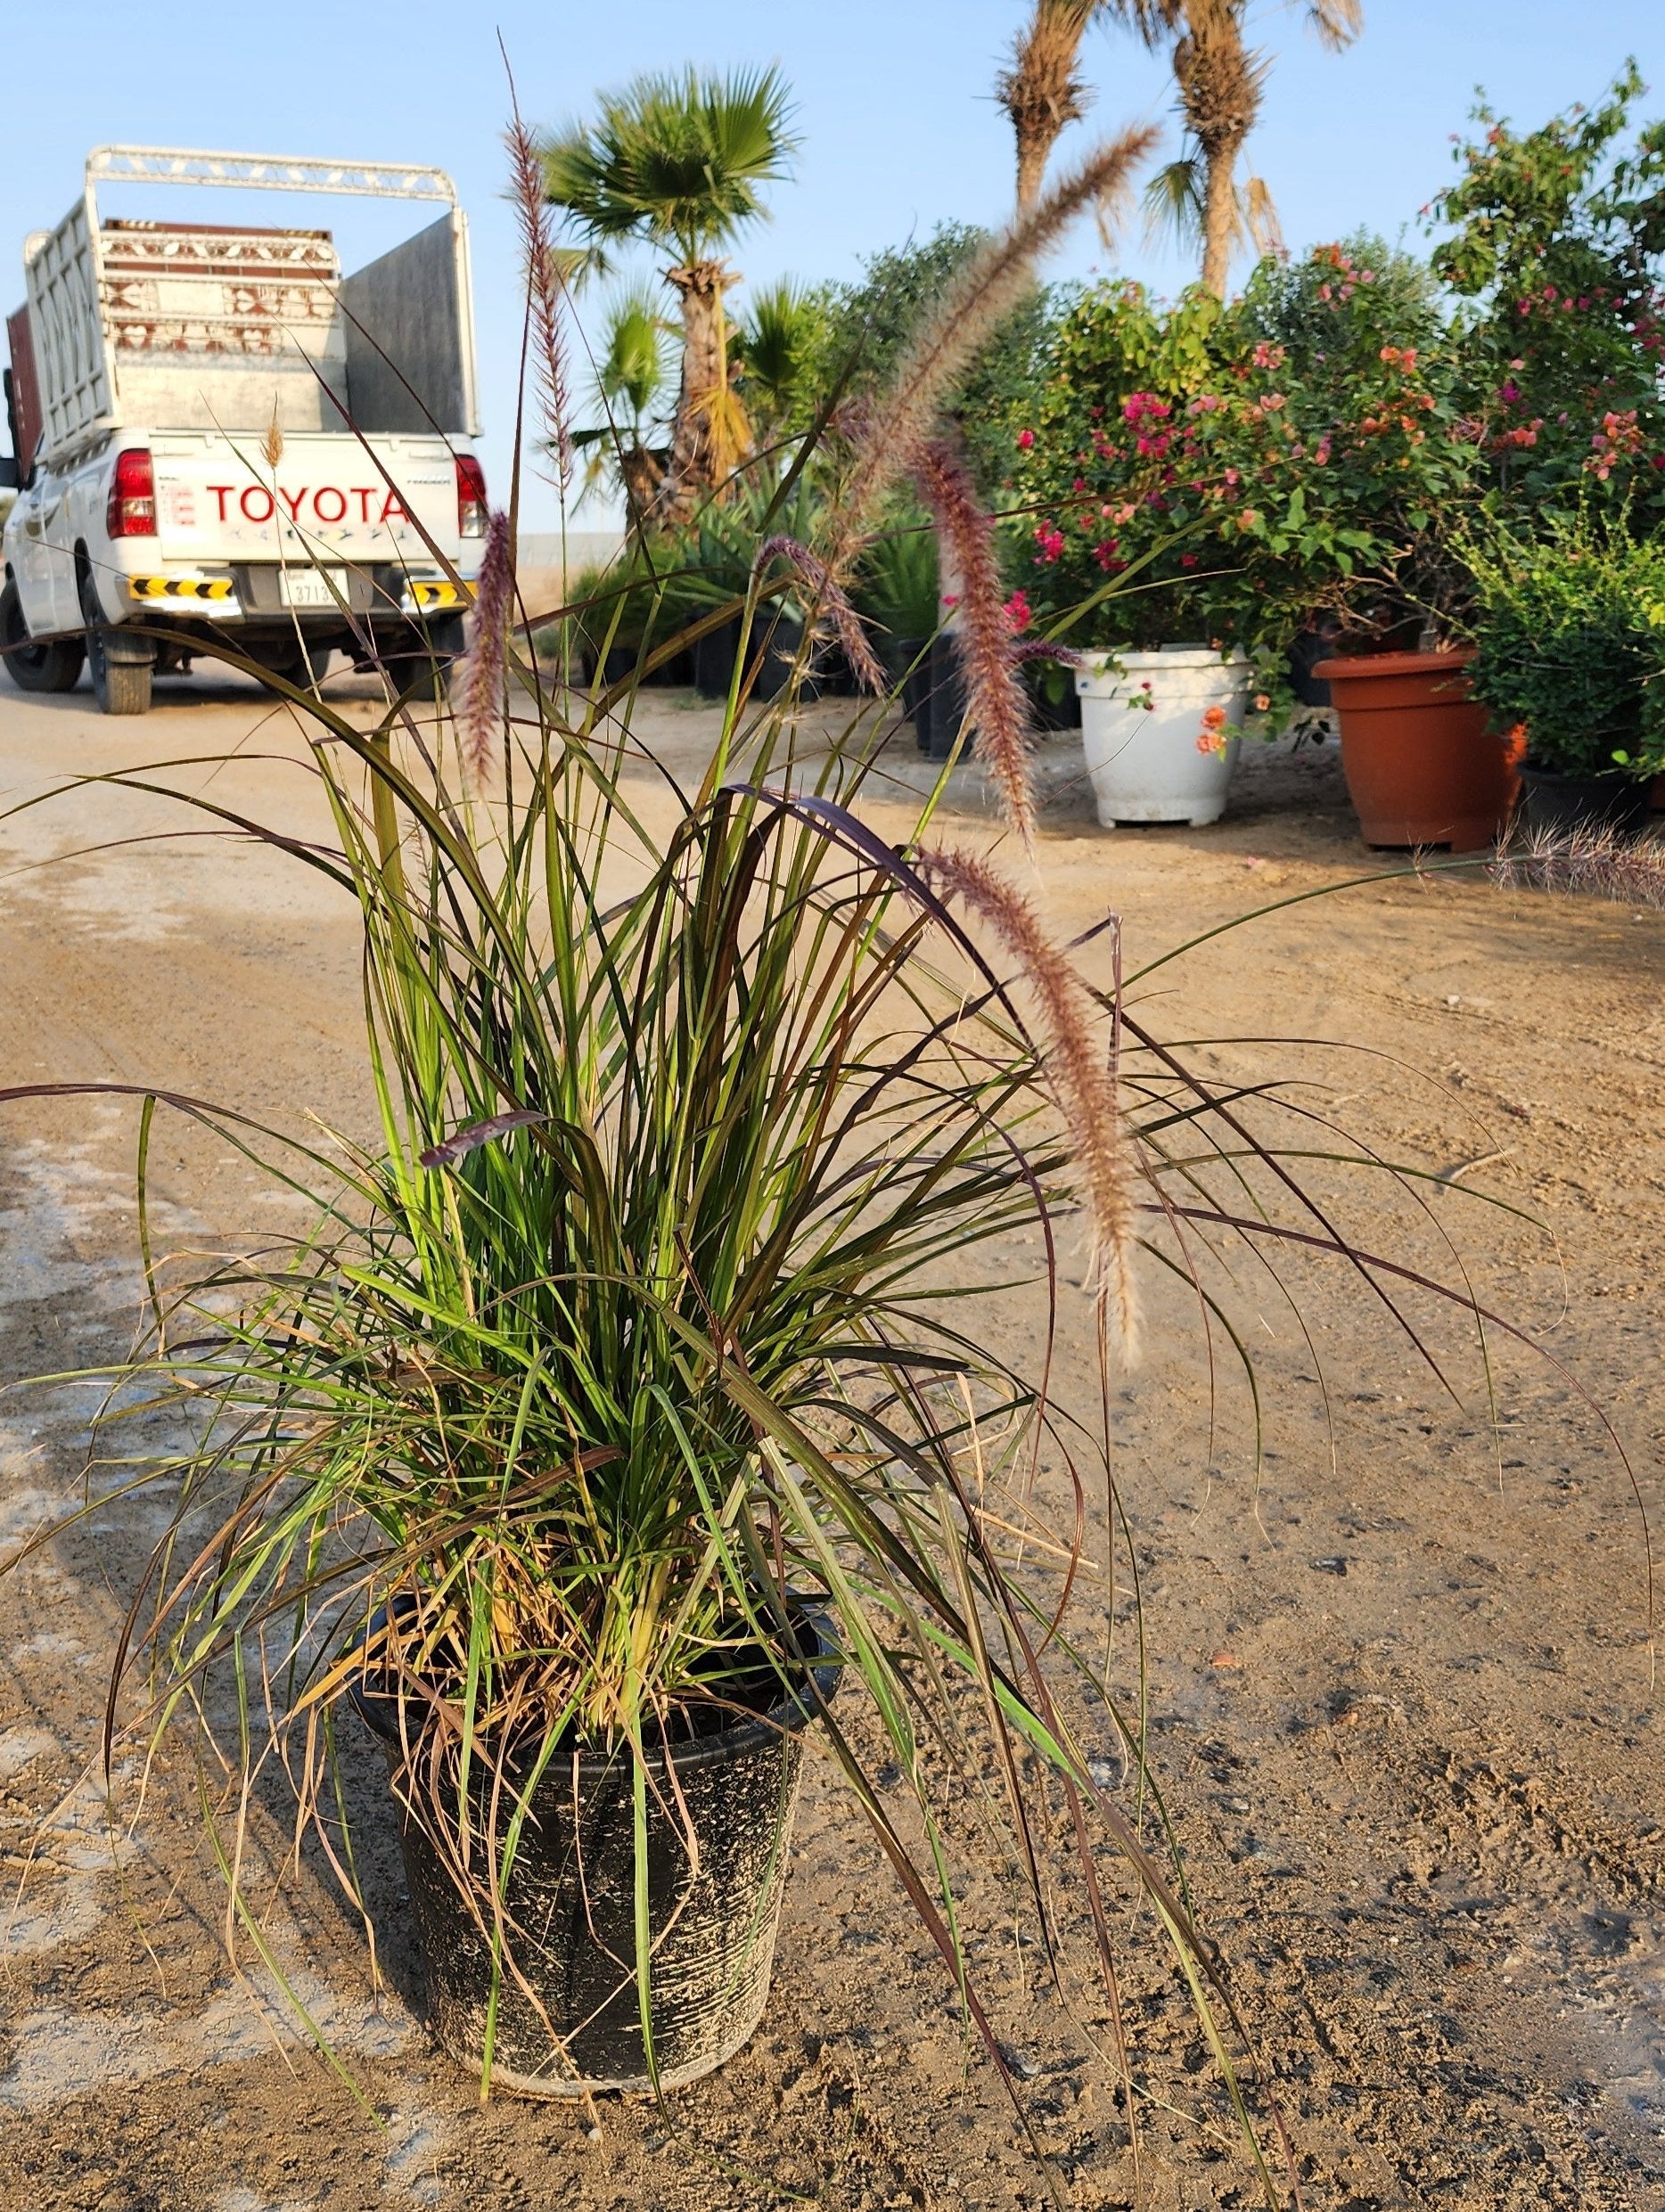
{"x": 1025, "y": 438}
{"x": 1018, "y": 612}
{"x": 1187, "y": 561}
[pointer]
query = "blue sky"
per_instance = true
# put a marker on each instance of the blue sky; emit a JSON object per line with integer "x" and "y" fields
{"x": 899, "y": 129}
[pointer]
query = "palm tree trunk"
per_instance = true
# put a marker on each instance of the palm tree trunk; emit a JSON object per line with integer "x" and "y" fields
{"x": 642, "y": 472}
{"x": 1033, "y": 150}
{"x": 1219, "y": 215}
{"x": 692, "y": 475}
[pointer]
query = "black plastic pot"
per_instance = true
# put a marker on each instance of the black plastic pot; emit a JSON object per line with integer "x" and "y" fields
{"x": 910, "y": 668}
{"x": 1053, "y": 715}
{"x": 716, "y": 1850}
{"x": 1552, "y": 805}
{"x": 778, "y": 642}
{"x": 1311, "y": 647}
{"x": 941, "y": 714}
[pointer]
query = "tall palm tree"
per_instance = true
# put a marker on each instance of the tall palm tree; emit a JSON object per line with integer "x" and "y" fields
{"x": 1221, "y": 81}
{"x": 1042, "y": 89}
{"x": 678, "y": 162}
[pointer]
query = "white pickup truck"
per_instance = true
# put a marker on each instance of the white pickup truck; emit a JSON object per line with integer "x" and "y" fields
{"x": 221, "y": 442}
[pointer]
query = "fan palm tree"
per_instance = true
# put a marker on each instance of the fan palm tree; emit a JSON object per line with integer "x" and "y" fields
{"x": 677, "y": 163}
{"x": 633, "y": 383}
{"x": 781, "y": 344}
{"x": 1042, "y": 89}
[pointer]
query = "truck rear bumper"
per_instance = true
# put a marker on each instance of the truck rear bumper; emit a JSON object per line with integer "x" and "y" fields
{"x": 266, "y": 591}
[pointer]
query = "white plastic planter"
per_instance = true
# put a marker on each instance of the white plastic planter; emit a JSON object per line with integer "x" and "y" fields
{"x": 1141, "y": 716}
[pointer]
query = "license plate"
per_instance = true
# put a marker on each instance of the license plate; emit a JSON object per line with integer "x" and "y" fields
{"x": 312, "y": 587}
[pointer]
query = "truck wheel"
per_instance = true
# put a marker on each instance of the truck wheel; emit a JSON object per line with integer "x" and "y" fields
{"x": 32, "y": 667}
{"x": 120, "y": 685}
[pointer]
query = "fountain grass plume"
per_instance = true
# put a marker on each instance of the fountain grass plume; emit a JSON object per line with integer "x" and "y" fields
{"x": 831, "y": 604}
{"x": 1081, "y": 1077}
{"x": 1629, "y": 871}
{"x": 972, "y": 308}
{"x": 478, "y": 685}
{"x": 545, "y": 295}
{"x": 996, "y": 701}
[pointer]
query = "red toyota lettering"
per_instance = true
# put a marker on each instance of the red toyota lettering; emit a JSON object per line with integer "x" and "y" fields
{"x": 221, "y": 492}
{"x": 363, "y": 493}
{"x": 257, "y": 491}
{"x": 391, "y": 510}
{"x": 329, "y": 491}
{"x": 293, "y": 500}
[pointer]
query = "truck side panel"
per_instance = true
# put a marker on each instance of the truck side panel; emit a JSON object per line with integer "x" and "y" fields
{"x": 26, "y": 418}
{"x": 409, "y": 347}
{"x": 68, "y": 329}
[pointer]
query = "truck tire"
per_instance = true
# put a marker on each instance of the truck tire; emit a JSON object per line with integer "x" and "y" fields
{"x": 121, "y": 685}
{"x": 54, "y": 667}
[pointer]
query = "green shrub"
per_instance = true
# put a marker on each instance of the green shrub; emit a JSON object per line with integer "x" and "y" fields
{"x": 1570, "y": 635}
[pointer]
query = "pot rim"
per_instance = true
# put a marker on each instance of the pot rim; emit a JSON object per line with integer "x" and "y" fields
{"x": 1530, "y": 767}
{"x": 379, "y": 1710}
{"x": 1098, "y": 658}
{"x": 1343, "y": 667}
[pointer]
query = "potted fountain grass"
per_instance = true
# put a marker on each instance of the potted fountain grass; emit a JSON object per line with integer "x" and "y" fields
{"x": 610, "y": 1406}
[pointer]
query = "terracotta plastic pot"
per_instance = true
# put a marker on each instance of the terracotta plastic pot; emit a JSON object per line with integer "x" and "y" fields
{"x": 1421, "y": 766}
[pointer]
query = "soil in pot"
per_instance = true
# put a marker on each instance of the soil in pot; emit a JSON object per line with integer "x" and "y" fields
{"x": 718, "y": 1823}
{"x": 1421, "y": 765}
{"x": 1556, "y": 806}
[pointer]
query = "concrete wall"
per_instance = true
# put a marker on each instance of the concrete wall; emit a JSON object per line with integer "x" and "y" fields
{"x": 542, "y": 577}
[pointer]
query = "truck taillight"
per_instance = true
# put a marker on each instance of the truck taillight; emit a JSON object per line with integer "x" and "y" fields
{"x": 471, "y": 497}
{"x": 131, "y": 509}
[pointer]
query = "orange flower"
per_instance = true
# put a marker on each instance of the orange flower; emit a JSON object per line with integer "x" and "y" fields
{"x": 1213, "y": 716}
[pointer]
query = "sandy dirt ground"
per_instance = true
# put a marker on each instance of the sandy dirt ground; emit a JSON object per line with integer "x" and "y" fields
{"x": 1402, "y": 1702}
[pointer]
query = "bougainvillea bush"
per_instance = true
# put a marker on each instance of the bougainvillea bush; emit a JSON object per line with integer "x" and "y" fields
{"x": 1249, "y": 469}
{"x": 1554, "y": 261}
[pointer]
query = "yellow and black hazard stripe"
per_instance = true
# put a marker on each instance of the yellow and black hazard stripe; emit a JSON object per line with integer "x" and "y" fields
{"x": 436, "y": 590}
{"x": 179, "y": 587}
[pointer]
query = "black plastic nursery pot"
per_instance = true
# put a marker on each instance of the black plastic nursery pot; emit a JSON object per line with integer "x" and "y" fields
{"x": 715, "y": 654}
{"x": 941, "y": 711}
{"x": 910, "y": 669}
{"x": 1554, "y": 806}
{"x": 718, "y": 1823}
